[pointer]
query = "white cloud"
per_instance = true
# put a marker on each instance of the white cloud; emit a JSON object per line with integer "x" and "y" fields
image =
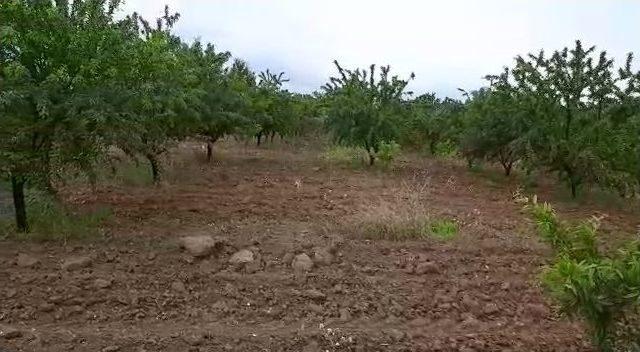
{"x": 448, "y": 44}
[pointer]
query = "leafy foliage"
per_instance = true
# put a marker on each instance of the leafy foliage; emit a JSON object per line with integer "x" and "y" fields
{"x": 364, "y": 111}
{"x": 601, "y": 289}
{"x": 494, "y": 127}
{"x": 433, "y": 121}
{"x": 59, "y": 68}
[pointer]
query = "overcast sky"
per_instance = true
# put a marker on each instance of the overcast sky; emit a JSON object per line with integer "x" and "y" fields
{"x": 448, "y": 44}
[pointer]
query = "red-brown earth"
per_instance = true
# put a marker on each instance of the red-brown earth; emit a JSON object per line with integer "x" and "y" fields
{"x": 136, "y": 289}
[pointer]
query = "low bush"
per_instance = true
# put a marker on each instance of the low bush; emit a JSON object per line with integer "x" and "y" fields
{"x": 602, "y": 289}
{"x": 388, "y": 153}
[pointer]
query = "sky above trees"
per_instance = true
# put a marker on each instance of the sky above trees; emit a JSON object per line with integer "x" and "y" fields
{"x": 448, "y": 44}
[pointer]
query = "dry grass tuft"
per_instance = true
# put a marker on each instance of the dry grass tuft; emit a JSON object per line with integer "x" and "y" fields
{"x": 406, "y": 217}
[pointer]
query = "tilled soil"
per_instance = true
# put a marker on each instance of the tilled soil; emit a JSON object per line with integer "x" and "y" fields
{"x": 284, "y": 270}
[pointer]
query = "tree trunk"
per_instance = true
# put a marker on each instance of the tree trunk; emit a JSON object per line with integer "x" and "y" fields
{"x": 19, "y": 204}
{"x": 372, "y": 158}
{"x": 432, "y": 147}
{"x": 273, "y": 134}
{"x": 574, "y": 180}
{"x": 209, "y": 151}
{"x": 155, "y": 167}
{"x": 259, "y": 137}
{"x": 210, "y": 142}
{"x": 470, "y": 162}
{"x": 49, "y": 187}
{"x": 506, "y": 163}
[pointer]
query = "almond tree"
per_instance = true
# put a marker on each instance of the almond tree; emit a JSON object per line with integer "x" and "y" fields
{"x": 495, "y": 124}
{"x": 434, "y": 121}
{"x": 164, "y": 92}
{"x": 568, "y": 97}
{"x": 221, "y": 99}
{"x": 58, "y": 70}
{"x": 365, "y": 110}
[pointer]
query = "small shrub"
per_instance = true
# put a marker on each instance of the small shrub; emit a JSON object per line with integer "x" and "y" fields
{"x": 388, "y": 152}
{"x": 604, "y": 290}
{"x": 446, "y": 149}
{"x": 577, "y": 241}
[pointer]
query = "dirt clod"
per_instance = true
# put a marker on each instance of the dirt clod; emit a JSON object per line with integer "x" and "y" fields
{"x": 26, "y": 261}
{"x": 113, "y": 348}
{"x": 426, "y": 268}
{"x": 243, "y": 256}
{"x": 490, "y": 308}
{"x": 12, "y": 292}
{"x": 47, "y": 307}
{"x": 77, "y": 263}
{"x": 322, "y": 256}
{"x": 345, "y": 315}
{"x": 287, "y": 258}
{"x": 9, "y": 332}
{"x": 179, "y": 286}
{"x": 302, "y": 263}
{"x": 314, "y": 294}
{"x": 198, "y": 246}
{"x": 102, "y": 283}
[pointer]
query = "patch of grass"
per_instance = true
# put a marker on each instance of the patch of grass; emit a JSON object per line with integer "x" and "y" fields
{"x": 133, "y": 174}
{"x": 345, "y": 156}
{"x": 444, "y": 229}
{"x": 407, "y": 218}
{"x": 396, "y": 228}
{"x": 405, "y": 227}
{"x": 49, "y": 220}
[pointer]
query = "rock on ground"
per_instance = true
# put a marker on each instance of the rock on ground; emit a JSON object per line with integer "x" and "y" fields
{"x": 322, "y": 256}
{"x": 8, "y": 332}
{"x": 243, "y": 256}
{"x": 76, "y": 263}
{"x": 426, "y": 268}
{"x": 102, "y": 283}
{"x": 200, "y": 246}
{"x": 26, "y": 261}
{"x": 287, "y": 258}
{"x": 314, "y": 294}
{"x": 179, "y": 287}
{"x": 302, "y": 263}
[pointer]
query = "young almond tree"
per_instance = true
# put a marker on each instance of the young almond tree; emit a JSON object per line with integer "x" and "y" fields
{"x": 433, "y": 121}
{"x": 58, "y": 73}
{"x": 164, "y": 92}
{"x": 495, "y": 124}
{"x": 366, "y": 111}
{"x": 220, "y": 103}
{"x": 271, "y": 106}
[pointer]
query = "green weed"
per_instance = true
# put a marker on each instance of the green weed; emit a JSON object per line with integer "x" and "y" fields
{"x": 49, "y": 220}
{"x": 388, "y": 153}
{"x": 444, "y": 229}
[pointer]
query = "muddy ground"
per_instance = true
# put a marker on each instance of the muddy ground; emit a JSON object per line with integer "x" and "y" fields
{"x": 286, "y": 268}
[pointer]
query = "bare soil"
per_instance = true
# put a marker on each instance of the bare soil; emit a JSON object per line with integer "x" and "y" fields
{"x": 136, "y": 290}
